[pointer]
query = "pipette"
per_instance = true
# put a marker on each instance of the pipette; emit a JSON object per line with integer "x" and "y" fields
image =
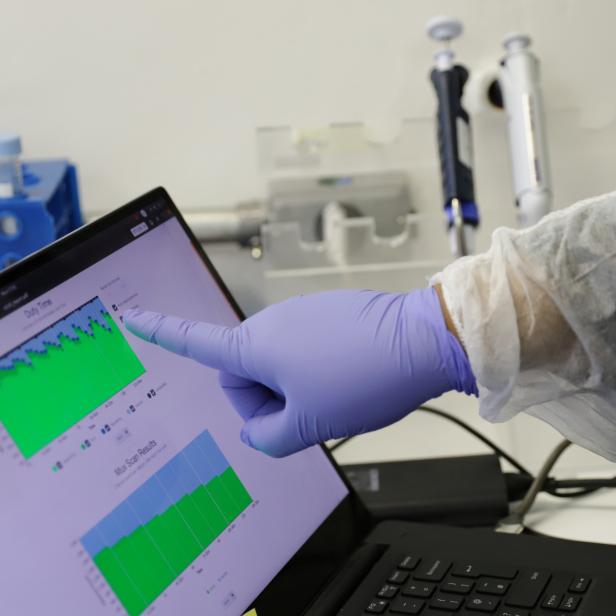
{"x": 521, "y": 89}
{"x": 454, "y": 138}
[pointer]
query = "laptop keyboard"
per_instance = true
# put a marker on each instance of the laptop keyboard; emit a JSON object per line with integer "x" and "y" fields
{"x": 435, "y": 587}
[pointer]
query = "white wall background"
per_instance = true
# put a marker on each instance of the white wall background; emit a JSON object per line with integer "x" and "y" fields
{"x": 146, "y": 92}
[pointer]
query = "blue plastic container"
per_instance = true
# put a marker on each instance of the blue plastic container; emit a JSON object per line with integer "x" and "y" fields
{"x": 48, "y": 209}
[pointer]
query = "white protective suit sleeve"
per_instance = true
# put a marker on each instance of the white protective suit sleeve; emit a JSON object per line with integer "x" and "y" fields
{"x": 537, "y": 316}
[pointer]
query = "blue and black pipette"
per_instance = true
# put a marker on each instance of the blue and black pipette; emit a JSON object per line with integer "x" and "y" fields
{"x": 454, "y": 139}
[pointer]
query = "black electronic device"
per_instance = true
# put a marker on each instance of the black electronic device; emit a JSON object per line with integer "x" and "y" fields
{"x": 459, "y": 490}
{"x": 437, "y": 570}
{"x": 290, "y": 536}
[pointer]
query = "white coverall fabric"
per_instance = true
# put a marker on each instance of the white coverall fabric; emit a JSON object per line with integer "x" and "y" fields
{"x": 537, "y": 316}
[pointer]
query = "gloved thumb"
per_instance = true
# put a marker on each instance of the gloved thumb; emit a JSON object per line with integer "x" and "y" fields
{"x": 273, "y": 434}
{"x": 215, "y": 346}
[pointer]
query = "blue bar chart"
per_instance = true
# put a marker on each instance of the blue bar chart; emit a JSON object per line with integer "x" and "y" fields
{"x": 146, "y": 542}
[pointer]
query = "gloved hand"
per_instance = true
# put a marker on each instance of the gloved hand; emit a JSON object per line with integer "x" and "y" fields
{"x": 322, "y": 366}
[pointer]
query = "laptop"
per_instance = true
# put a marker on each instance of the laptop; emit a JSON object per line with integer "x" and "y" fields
{"x": 126, "y": 488}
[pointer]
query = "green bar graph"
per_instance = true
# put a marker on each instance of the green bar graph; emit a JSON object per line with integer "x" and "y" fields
{"x": 53, "y": 380}
{"x": 144, "y": 544}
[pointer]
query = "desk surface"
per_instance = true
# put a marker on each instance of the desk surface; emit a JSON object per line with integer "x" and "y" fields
{"x": 588, "y": 518}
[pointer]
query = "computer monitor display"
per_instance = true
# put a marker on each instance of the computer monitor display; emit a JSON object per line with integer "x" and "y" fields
{"x": 125, "y": 486}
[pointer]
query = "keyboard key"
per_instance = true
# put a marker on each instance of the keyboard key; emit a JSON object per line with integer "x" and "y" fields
{"x": 475, "y": 570}
{"x": 459, "y": 587}
{"x": 579, "y": 584}
{"x": 404, "y": 605}
{"x": 569, "y": 603}
{"x": 388, "y": 591}
{"x": 377, "y": 607}
{"x": 409, "y": 563}
{"x": 477, "y": 603}
{"x": 467, "y": 570}
{"x": 527, "y": 589}
{"x": 552, "y": 600}
{"x": 398, "y": 577}
{"x": 492, "y": 587}
{"x": 512, "y": 611}
{"x": 445, "y": 602}
{"x": 432, "y": 570}
{"x": 499, "y": 571}
{"x": 418, "y": 589}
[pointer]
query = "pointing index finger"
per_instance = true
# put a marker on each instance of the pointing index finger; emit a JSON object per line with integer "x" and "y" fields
{"x": 215, "y": 346}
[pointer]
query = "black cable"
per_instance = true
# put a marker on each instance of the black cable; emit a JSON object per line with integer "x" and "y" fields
{"x": 554, "y": 491}
{"x": 445, "y": 415}
{"x": 574, "y": 487}
{"x": 341, "y": 442}
{"x": 518, "y": 484}
{"x": 484, "y": 439}
{"x": 581, "y": 483}
{"x": 582, "y": 487}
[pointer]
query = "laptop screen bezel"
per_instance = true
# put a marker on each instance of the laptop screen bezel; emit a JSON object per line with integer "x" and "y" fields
{"x": 348, "y": 522}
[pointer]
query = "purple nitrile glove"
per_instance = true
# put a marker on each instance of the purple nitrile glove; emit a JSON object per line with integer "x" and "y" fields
{"x": 322, "y": 366}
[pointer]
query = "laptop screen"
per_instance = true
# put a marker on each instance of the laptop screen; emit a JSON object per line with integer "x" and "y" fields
{"x": 125, "y": 486}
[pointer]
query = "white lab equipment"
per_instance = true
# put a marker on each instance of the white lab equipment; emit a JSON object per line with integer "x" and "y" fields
{"x": 340, "y": 209}
{"x": 537, "y": 316}
{"x": 521, "y": 89}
